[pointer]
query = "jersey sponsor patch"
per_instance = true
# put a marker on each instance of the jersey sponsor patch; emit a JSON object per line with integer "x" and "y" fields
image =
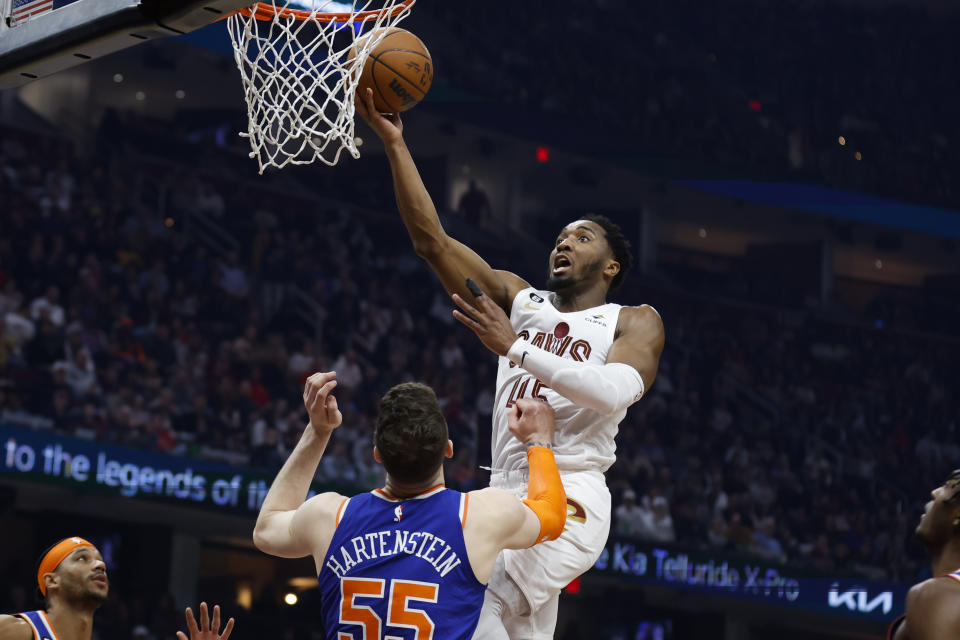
{"x": 597, "y": 319}
{"x": 536, "y": 298}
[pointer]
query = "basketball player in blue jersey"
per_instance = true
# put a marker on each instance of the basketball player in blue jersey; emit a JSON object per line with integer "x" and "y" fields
{"x": 587, "y": 358}
{"x": 409, "y": 560}
{"x": 72, "y": 582}
{"x": 933, "y": 606}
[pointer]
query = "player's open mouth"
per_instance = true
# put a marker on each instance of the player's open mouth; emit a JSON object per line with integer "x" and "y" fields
{"x": 561, "y": 264}
{"x": 100, "y": 579}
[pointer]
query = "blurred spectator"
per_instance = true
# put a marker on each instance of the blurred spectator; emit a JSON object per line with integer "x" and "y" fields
{"x": 47, "y": 306}
{"x": 232, "y": 278}
{"x": 348, "y": 369}
{"x": 474, "y": 204}
{"x": 630, "y": 517}
{"x": 655, "y": 520}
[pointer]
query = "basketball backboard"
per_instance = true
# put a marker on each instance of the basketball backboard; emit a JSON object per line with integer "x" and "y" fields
{"x": 41, "y": 37}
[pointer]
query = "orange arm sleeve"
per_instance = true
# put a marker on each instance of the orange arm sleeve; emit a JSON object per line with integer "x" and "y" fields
{"x": 545, "y": 494}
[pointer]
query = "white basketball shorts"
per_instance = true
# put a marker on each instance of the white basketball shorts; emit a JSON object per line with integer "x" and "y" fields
{"x": 543, "y": 570}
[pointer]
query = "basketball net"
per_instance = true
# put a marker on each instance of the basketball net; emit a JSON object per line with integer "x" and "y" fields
{"x": 297, "y": 81}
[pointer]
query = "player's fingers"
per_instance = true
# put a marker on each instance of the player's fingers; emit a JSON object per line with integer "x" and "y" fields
{"x": 468, "y": 322}
{"x": 321, "y": 400}
{"x": 526, "y": 406}
{"x": 486, "y": 304}
{"x": 215, "y": 625}
{"x": 513, "y": 416}
{"x": 360, "y": 103}
{"x": 310, "y": 388}
{"x": 181, "y": 636}
{"x": 227, "y": 630}
{"x": 321, "y": 377}
{"x": 204, "y": 617}
{"x": 466, "y": 306}
{"x": 191, "y": 621}
{"x": 368, "y": 98}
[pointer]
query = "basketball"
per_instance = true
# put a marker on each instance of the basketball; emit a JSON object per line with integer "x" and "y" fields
{"x": 399, "y": 70}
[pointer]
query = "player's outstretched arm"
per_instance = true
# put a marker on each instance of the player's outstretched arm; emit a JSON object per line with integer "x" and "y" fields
{"x": 451, "y": 260}
{"x": 932, "y": 612}
{"x": 14, "y": 628}
{"x": 498, "y": 520}
{"x": 287, "y": 526}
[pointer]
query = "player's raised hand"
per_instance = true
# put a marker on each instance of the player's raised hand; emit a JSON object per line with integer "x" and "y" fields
{"x": 389, "y": 127}
{"x": 486, "y": 319}
{"x": 532, "y": 421}
{"x": 321, "y": 406}
{"x": 206, "y": 631}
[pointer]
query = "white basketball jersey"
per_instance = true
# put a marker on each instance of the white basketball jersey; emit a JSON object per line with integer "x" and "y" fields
{"x": 584, "y": 439}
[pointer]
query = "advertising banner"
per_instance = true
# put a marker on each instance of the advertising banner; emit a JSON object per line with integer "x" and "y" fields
{"x": 745, "y": 578}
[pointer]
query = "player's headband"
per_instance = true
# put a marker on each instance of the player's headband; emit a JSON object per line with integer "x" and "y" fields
{"x": 55, "y": 556}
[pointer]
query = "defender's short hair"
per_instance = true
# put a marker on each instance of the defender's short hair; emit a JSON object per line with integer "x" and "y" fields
{"x": 411, "y": 432}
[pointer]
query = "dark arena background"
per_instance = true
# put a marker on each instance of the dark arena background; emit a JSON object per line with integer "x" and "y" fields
{"x": 786, "y": 173}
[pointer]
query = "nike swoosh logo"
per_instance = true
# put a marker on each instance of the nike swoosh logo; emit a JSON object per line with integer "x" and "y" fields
{"x": 531, "y": 307}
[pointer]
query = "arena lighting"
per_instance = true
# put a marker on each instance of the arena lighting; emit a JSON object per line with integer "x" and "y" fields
{"x": 290, "y": 598}
{"x": 118, "y": 78}
{"x": 543, "y": 155}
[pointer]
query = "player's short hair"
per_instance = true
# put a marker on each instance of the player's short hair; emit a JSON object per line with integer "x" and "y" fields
{"x": 619, "y": 245}
{"x": 954, "y": 479}
{"x": 38, "y": 595}
{"x": 411, "y": 432}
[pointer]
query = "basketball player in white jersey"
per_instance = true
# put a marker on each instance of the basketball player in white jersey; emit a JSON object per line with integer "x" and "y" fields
{"x": 589, "y": 359}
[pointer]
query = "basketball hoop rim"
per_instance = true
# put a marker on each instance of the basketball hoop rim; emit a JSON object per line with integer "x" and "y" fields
{"x": 267, "y": 11}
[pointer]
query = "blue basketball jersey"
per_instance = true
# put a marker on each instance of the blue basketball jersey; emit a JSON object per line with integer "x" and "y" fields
{"x": 40, "y": 623}
{"x": 399, "y": 568}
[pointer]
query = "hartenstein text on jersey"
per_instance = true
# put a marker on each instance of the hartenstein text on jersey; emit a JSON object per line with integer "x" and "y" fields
{"x": 433, "y": 549}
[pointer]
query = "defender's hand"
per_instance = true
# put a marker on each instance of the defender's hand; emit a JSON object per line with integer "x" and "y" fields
{"x": 205, "y": 631}
{"x": 487, "y": 320}
{"x": 388, "y": 127}
{"x": 321, "y": 406}
{"x": 532, "y": 421}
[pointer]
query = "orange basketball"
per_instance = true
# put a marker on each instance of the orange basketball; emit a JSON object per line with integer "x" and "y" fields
{"x": 399, "y": 70}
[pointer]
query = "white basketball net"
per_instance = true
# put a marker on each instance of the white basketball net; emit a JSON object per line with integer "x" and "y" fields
{"x": 297, "y": 82}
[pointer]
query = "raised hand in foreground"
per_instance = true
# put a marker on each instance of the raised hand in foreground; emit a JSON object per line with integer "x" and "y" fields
{"x": 205, "y": 631}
